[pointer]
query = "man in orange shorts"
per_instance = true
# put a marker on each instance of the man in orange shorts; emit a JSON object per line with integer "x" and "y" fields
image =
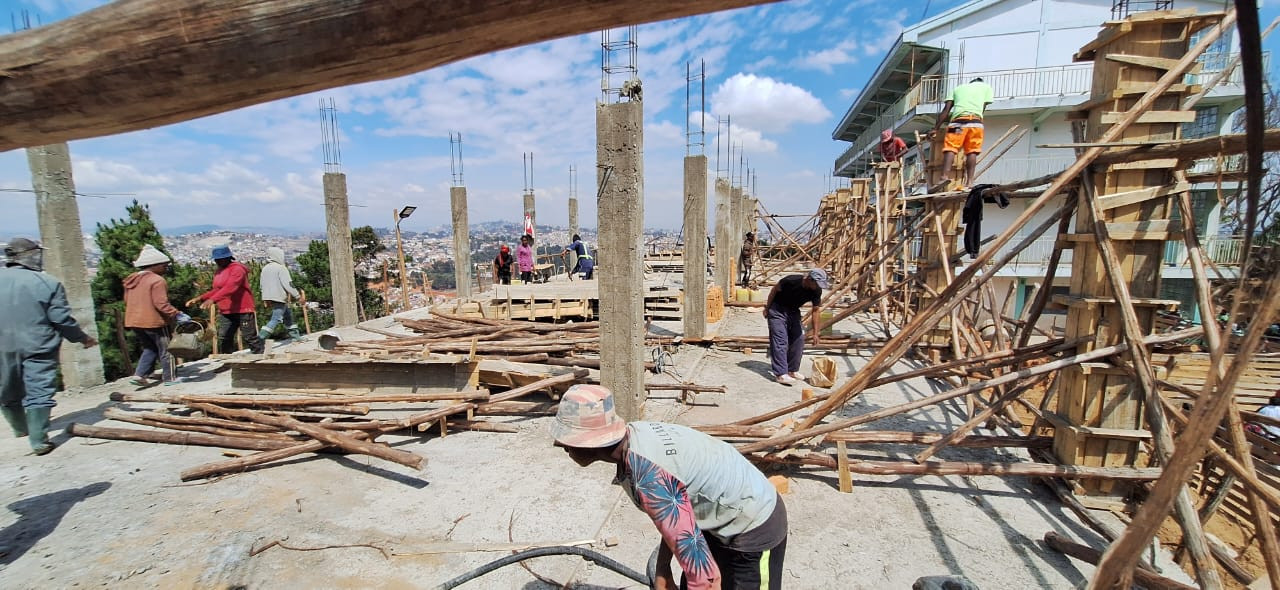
{"x": 963, "y": 117}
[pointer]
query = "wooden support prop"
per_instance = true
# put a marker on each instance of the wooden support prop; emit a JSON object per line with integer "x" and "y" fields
{"x": 1240, "y": 447}
{"x": 1097, "y": 353}
{"x": 242, "y": 463}
{"x": 177, "y": 438}
{"x": 966, "y": 282}
{"x": 967, "y": 468}
{"x": 342, "y": 441}
{"x": 842, "y": 468}
{"x": 1088, "y": 554}
{"x": 140, "y": 419}
{"x": 301, "y": 402}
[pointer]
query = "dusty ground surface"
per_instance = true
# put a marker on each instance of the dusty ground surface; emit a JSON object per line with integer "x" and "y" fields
{"x": 114, "y": 514}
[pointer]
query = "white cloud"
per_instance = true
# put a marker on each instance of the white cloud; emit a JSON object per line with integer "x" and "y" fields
{"x": 826, "y": 59}
{"x": 759, "y": 102}
{"x": 885, "y": 32}
{"x": 847, "y": 93}
{"x": 767, "y": 62}
{"x": 797, "y": 22}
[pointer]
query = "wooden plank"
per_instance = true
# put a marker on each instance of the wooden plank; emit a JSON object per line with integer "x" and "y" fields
{"x": 1146, "y": 61}
{"x": 1107, "y": 202}
{"x": 1153, "y": 164}
{"x": 1112, "y": 117}
{"x": 1136, "y": 88}
{"x": 1110, "y": 32}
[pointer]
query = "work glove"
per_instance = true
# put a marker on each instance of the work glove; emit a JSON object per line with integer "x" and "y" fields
{"x": 183, "y": 318}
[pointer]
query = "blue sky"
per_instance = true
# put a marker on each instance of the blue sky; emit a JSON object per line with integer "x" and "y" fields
{"x": 783, "y": 72}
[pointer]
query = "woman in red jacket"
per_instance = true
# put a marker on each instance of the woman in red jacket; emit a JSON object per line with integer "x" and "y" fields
{"x": 231, "y": 294}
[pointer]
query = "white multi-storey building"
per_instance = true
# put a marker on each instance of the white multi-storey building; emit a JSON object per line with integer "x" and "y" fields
{"x": 1024, "y": 49}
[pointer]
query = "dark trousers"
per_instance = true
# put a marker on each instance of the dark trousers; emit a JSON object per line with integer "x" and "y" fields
{"x": 526, "y": 277}
{"x": 155, "y": 347}
{"x": 228, "y": 323}
{"x": 786, "y": 340}
{"x": 504, "y": 277}
{"x": 747, "y": 570}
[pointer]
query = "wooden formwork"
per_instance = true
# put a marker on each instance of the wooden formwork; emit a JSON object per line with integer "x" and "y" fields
{"x": 1102, "y": 406}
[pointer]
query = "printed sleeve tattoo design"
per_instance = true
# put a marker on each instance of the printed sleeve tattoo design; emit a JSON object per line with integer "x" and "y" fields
{"x": 664, "y": 499}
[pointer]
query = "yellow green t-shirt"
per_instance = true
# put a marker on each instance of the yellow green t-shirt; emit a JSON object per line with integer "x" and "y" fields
{"x": 969, "y": 99}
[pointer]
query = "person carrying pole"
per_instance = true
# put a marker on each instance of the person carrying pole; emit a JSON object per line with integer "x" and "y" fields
{"x": 231, "y": 295}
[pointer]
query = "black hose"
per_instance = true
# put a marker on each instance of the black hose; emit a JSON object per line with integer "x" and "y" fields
{"x": 587, "y": 554}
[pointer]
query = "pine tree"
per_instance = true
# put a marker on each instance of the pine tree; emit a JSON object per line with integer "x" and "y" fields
{"x": 120, "y": 242}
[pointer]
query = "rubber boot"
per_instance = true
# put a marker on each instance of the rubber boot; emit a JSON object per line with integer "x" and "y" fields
{"x": 17, "y": 420}
{"x": 263, "y": 335}
{"x": 294, "y": 333}
{"x": 38, "y": 429}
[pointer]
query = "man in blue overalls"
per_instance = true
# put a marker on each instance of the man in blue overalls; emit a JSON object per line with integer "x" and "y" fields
{"x": 34, "y": 319}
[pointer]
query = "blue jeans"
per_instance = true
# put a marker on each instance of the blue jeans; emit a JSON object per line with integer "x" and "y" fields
{"x": 280, "y": 314}
{"x": 786, "y": 340}
{"x": 155, "y": 346}
{"x": 28, "y": 380}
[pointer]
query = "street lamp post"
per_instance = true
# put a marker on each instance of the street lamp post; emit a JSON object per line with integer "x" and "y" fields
{"x": 399, "y": 214}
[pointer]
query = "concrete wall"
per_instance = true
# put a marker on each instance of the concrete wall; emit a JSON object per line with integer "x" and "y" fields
{"x": 1024, "y": 33}
{"x": 620, "y": 215}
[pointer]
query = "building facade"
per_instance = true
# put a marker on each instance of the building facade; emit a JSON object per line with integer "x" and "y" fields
{"x": 1024, "y": 49}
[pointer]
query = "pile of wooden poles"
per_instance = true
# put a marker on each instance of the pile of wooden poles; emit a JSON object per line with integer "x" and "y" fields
{"x": 280, "y": 426}
{"x": 513, "y": 340}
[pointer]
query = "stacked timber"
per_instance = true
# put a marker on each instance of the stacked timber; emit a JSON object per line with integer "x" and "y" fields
{"x": 282, "y": 426}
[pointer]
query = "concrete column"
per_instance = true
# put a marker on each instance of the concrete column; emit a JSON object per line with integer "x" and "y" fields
{"x": 573, "y": 216}
{"x": 749, "y": 215}
{"x": 530, "y": 210}
{"x": 342, "y": 272}
{"x": 573, "y": 230}
{"x": 736, "y": 205}
{"x": 695, "y": 246}
{"x": 724, "y": 237}
{"x": 620, "y": 216}
{"x": 461, "y": 241}
{"x": 60, "y": 234}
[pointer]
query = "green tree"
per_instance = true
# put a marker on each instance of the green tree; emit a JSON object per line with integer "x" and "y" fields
{"x": 120, "y": 241}
{"x": 314, "y": 277}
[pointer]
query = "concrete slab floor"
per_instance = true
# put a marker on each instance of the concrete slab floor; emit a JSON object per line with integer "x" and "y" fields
{"x": 114, "y": 514}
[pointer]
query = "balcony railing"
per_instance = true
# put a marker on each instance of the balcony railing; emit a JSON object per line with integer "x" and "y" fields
{"x": 1069, "y": 80}
{"x": 1223, "y": 251}
{"x": 1227, "y": 165}
{"x": 1006, "y": 169}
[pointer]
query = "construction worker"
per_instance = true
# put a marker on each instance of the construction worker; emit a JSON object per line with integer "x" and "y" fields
{"x": 718, "y": 515}
{"x": 746, "y": 255}
{"x": 502, "y": 265}
{"x": 234, "y": 300}
{"x": 583, "y": 262}
{"x": 277, "y": 287}
{"x": 34, "y": 319}
{"x": 891, "y": 146}
{"x": 148, "y": 314}
{"x": 782, "y": 311}
{"x": 524, "y": 258}
{"x": 962, "y": 114}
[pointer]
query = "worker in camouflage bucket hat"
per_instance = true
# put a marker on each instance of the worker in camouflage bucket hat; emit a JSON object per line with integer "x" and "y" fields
{"x": 718, "y": 515}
